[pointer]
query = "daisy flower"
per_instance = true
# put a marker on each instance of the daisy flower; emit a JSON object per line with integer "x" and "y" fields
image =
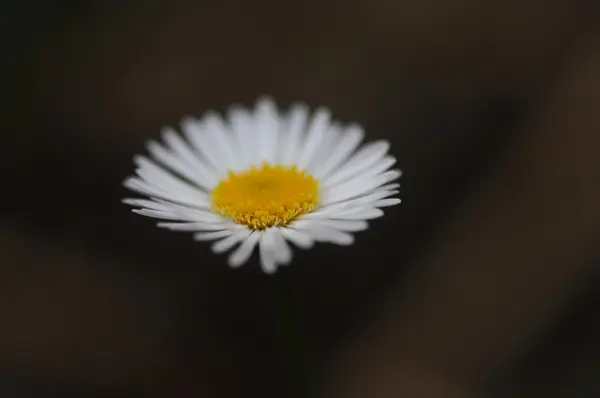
{"x": 264, "y": 178}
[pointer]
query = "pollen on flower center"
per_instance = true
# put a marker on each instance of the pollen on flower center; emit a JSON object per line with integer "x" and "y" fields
{"x": 265, "y": 196}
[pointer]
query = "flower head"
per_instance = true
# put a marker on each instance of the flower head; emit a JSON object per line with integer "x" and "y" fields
{"x": 265, "y": 178}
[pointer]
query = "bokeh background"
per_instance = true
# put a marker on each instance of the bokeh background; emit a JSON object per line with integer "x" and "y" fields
{"x": 483, "y": 283}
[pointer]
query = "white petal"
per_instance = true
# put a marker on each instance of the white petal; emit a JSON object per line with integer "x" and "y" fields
{"x": 386, "y": 202}
{"x": 212, "y": 235}
{"x": 389, "y": 187}
{"x": 149, "y": 204}
{"x": 202, "y": 214}
{"x": 283, "y": 252}
{"x": 355, "y": 201}
{"x": 314, "y": 136}
{"x": 172, "y": 186}
{"x": 182, "y": 216}
{"x": 359, "y": 214}
{"x": 381, "y": 166}
{"x": 198, "y": 133}
{"x": 331, "y": 140}
{"x": 244, "y": 251}
{"x": 295, "y": 126}
{"x": 267, "y": 129}
{"x": 344, "y": 225}
{"x": 374, "y": 196}
{"x": 378, "y": 168}
{"x": 185, "y": 153}
{"x": 376, "y": 149}
{"x": 163, "y": 215}
{"x": 227, "y": 243}
{"x": 358, "y": 187}
{"x": 167, "y": 158}
{"x": 196, "y": 226}
{"x": 367, "y": 156}
{"x": 267, "y": 251}
{"x": 181, "y": 148}
{"x": 332, "y": 235}
{"x": 343, "y": 210}
{"x": 157, "y": 176}
{"x": 222, "y": 141}
{"x": 347, "y": 144}
{"x": 136, "y": 184}
{"x": 300, "y": 239}
{"x": 174, "y": 215}
{"x": 324, "y": 234}
{"x": 172, "y": 211}
{"x": 242, "y": 126}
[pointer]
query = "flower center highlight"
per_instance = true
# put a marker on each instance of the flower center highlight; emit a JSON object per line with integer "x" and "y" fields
{"x": 265, "y": 196}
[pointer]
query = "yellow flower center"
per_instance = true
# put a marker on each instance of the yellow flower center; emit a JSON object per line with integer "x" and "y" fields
{"x": 265, "y": 196}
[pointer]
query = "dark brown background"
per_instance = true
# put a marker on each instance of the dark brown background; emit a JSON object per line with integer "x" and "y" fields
{"x": 482, "y": 283}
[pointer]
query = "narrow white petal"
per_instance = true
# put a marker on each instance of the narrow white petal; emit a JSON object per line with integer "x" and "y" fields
{"x": 201, "y": 213}
{"x": 198, "y": 216}
{"x": 331, "y": 235}
{"x": 347, "y": 144}
{"x": 349, "y": 207}
{"x": 367, "y": 156}
{"x": 138, "y": 185}
{"x": 244, "y": 251}
{"x": 165, "y": 205}
{"x": 344, "y": 225}
{"x": 358, "y": 187}
{"x": 222, "y": 142}
{"x": 314, "y": 136}
{"x": 389, "y": 187}
{"x": 378, "y": 168}
{"x": 327, "y": 211}
{"x": 300, "y": 239}
{"x": 372, "y": 197}
{"x": 355, "y": 201}
{"x": 149, "y": 204}
{"x": 331, "y": 140}
{"x": 177, "y": 215}
{"x": 200, "y": 177}
{"x": 359, "y": 214}
{"x": 324, "y": 234}
{"x": 267, "y": 129}
{"x": 199, "y": 134}
{"x": 283, "y": 252}
{"x": 196, "y": 226}
{"x": 212, "y": 235}
{"x": 183, "y": 150}
{"x": 227, "y": 243}
{"x": 175, "y": 188}
{"x": 376, "y": 149}
{"x": 386, "y": 202}
{"x": 242, "y": 126}
{"x": 159, "y": 177}
{"x": 163, "y": 215}
{"x": 295, "y": 126}
{"x": 243, "y": 123}
{"x": 267, "y": 252}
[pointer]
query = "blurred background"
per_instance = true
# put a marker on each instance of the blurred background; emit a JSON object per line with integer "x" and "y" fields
{"x": 483, "y": 283}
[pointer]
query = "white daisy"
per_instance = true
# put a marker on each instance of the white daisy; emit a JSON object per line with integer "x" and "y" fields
{"x": 265, "y": 178}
